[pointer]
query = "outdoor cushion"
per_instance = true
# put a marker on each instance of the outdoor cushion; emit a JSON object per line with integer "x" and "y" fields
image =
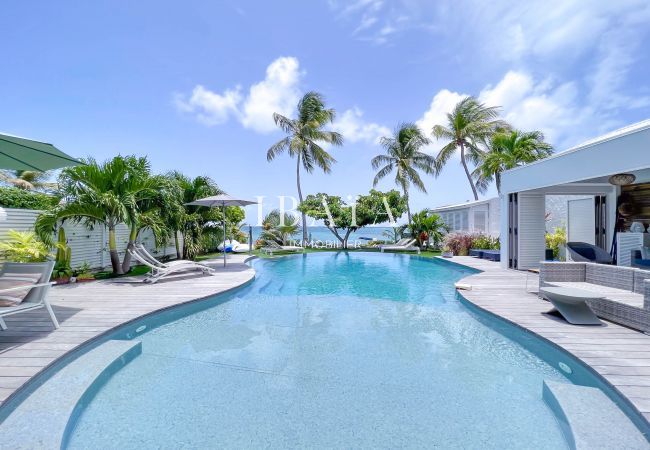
{"x": 645, "y": 252}
{"x": 13, "y": 298}
{"x": 33, "y": 277}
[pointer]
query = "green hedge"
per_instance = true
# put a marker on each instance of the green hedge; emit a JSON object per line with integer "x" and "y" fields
{"x": 22, "y": 199}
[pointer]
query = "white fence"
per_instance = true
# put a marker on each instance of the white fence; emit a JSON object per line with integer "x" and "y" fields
{"x": 90, "y": 246}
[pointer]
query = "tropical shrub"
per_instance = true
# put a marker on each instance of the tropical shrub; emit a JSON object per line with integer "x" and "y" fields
{"x": 61, "y": 271}
{"x": 556, "y": 240}
{"x": 485, "y": 242}
{"x": 458, "y": 243}
{"x": 11, "y": 197}
{"x": 23, "y": 247}
{"x": 461, "y": 243}
{"x": 83, "y": 272}
{"x": 426, "y": 227}
{"x": 277, "y": 229}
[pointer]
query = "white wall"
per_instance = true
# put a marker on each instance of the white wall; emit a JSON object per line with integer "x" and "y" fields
{"x": 90, "y": 246}
{"x": 491, "y": 209}
{"x": 581, "y": 220}
{"x": 532, "y": 230}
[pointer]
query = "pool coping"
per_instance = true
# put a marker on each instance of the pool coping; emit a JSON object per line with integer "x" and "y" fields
{"x": 510, "y": 306}
{"x": 46, "y": 371}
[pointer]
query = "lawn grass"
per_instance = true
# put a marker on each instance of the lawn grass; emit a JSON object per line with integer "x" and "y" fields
{"x": 135, "y": 271}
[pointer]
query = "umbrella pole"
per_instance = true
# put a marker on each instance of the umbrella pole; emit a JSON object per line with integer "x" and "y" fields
{"x": 224, "y": 234}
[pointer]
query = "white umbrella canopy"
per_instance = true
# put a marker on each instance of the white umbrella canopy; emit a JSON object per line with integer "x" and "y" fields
{"x": 222, "y": 200}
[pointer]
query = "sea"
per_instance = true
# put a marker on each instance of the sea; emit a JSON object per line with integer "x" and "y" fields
{"x": 321, "y": 236}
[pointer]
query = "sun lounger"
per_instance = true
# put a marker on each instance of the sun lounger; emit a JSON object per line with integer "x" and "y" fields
{"x": 31, "y": 277}
{"x": 407, "y": 246}
{"x": 152, "y": 259}
{"x": 161, "y": 270}
{"x": 399, "y": 243}
{"x": 272, "y": 247}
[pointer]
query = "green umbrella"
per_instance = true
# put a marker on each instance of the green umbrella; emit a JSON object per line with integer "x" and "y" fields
{"x": 24, "y": 154}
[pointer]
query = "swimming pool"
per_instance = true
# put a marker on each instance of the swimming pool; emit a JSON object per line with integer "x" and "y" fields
{"x": 328, "y": 350}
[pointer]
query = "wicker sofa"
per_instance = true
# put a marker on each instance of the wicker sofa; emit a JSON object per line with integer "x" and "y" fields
{"x": 627, "y": 289}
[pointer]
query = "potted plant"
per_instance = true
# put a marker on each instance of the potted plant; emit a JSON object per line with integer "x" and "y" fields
{"x": 83, "y": 273}
{"x": 61, "y": 273}
{"x": 62, "y": 269}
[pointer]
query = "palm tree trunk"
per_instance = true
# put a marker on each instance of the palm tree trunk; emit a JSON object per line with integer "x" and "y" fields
{"x": 126, "y": 262}
{"x": 469, "y": 176}
{"x": 112, "y": 250}
{"x": 304, "y": 216}
{"x": 408, "y": 207}
{"x": 497, "y": 178}
{"x": 178, "y": 245}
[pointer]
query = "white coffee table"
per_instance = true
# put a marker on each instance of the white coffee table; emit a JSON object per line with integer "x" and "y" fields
{"x": 571, "y": 303}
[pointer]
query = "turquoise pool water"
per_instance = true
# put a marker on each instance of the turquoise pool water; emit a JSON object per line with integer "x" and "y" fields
{"x": 328, "y": 350}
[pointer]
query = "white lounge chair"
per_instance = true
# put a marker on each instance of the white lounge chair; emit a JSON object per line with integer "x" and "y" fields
{"x": 404, "y": 246}
{"x": 161, "y": 270}
{"x": 272, "y": 247}
{"x": 142, "y": 250}
{"x": 400, "y": 243}
{"x": 33, "y": 277}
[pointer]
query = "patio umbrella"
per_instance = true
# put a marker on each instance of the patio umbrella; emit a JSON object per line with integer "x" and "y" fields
{"x": 222, "y": 200}
{"x": 25, "y": 154}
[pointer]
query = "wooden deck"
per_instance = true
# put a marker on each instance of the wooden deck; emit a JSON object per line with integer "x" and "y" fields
{"x": 619, "y": 354}
{"x": 87, "y": 310}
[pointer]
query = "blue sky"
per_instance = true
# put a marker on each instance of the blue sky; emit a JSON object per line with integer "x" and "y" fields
{"x": 193, "y": 84}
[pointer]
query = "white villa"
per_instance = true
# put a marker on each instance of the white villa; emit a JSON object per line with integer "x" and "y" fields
{"x": 612, "y": 172}
{"x": 480, "y": 216}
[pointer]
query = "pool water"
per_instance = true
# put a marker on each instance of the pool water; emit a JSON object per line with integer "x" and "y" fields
{"x": 358, "y": 350}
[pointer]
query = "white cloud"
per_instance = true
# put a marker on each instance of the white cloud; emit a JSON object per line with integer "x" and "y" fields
{"x": 354, "y": 129}
{"x": 592, "y": 48}
{"x": 210, "y": 107}
{"x": 544, "y": 106}
{"x": 528, "y": 104}
{"x": 441, "y": 104}
{"x": 278, "y": 92}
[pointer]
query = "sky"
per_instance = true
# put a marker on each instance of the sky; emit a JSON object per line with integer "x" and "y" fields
{"x": 193, "y": 84}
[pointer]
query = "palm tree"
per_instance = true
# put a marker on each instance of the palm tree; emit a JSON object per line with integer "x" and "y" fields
{"x": 192, "y": 221}
{"x": 403, "y": 155}
{"x": 469, "y": 125}
{"x": 507, "y": 150}
{"x": 29, "y": 180}
{"x": 427, "y": 226}
{"x": 304, "y": 134}
{"x": 279, "y": 229}
{"x": 101, "y": 194}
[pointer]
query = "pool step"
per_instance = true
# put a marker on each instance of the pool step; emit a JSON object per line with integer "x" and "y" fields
{"x": 43, "y": 418}
{"x": 589, "y": 419}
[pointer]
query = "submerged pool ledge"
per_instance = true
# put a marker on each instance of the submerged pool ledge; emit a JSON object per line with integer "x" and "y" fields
{"x": 93, "y": 313}
{"x": 618, "y": 356}
{"x": 44, "y": 418}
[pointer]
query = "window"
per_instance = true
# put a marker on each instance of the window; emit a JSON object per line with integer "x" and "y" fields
{"x": 480, "y": 221}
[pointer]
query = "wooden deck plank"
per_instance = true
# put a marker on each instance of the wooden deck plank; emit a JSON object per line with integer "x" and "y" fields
{"x": 619, "y": 354}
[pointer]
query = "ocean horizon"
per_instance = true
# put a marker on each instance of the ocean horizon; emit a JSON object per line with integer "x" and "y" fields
{"x": 321, "y": 234}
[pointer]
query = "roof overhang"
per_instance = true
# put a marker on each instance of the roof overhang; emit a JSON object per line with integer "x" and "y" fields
{"x": 623, "y": 151}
